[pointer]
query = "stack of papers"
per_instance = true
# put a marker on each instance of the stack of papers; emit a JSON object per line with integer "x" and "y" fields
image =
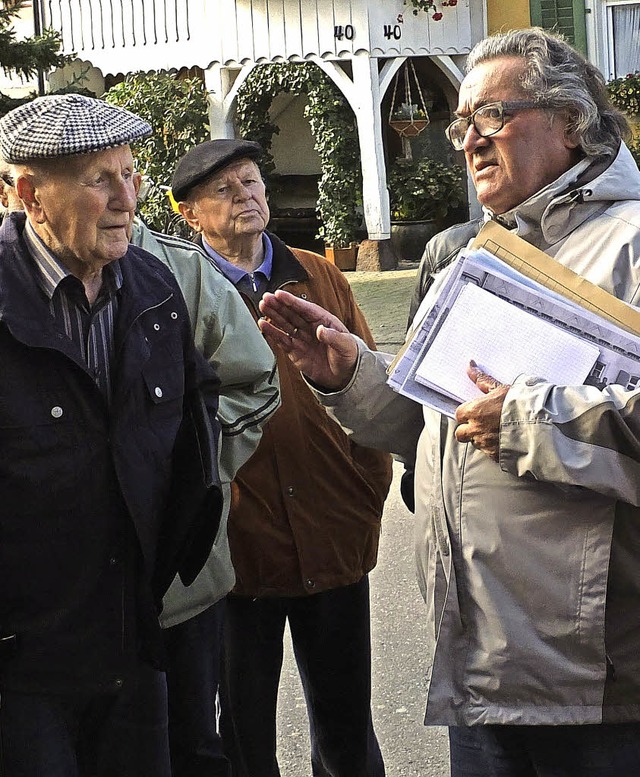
{"x": 514, "y": 310}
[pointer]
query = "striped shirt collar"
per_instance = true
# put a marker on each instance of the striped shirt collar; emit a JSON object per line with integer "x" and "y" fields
{"x": 52, "y": 271}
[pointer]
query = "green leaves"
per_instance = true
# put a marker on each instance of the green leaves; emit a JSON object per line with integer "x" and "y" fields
{"x": 177, "y": 110}
{"x": 625, "y": 93}
{"x": 424, "y": 190}
{"x": 25, "y": 57}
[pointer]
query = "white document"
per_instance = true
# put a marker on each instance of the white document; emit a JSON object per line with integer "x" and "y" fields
{"x": 505, "y": 341}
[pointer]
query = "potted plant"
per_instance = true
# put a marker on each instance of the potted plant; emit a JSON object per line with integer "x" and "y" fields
{"x": 409, "y": 120}
{"x": 338, "y": 230}
{"x": 177, "y": 111}
{"x": 422, "y": 196}
{"x": 431, "y": 6}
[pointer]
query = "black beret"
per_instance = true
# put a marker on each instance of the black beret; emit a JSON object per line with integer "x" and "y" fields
{"x": 208, "y": 158}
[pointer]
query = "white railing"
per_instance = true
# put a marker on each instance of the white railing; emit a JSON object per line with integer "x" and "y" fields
{"x": 121, "y": 36}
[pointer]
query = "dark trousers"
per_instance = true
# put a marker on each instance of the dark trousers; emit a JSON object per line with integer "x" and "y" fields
{"x": 119, "y": 734}
{"x": 331, "y": 639}
{"x": 611, "y": 750}
{"x": 193, "y": 675}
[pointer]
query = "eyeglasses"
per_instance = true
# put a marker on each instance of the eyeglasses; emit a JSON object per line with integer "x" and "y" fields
{"x": 487, "y": 120}
{"x": 6, "y": 178}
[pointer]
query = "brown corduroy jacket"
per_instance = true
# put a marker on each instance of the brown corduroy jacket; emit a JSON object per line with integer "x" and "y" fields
{"x": 306, "y": 507}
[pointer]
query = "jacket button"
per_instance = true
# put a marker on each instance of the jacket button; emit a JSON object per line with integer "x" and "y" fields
{"x": 174, "y": 315}
{"x": 158, "y": 391}
{"x": 113, "y": 561}
{"x": 290, "y": 491}
{"x": 56, "y": 411}
{"x": 156, "y": 327}
{"x": 311, "y": 583}
{"x": 118, "y": 682}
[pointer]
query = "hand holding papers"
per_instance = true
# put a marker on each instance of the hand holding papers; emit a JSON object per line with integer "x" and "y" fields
{"x": 505, "y": 341}
{"x": 510, "y": 323}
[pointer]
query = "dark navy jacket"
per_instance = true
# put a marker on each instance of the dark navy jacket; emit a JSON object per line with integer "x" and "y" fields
{"x": 100, "y": 506}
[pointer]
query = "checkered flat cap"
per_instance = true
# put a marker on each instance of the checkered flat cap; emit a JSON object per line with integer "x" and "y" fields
{"x": 65, "y": 124}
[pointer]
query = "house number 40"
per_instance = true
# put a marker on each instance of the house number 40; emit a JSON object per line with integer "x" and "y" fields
{"x": 347, "y": 32}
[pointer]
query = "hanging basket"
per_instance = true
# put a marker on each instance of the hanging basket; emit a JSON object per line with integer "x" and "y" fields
{"x": 410, "y": 118}
{"x": 408, "y": 128}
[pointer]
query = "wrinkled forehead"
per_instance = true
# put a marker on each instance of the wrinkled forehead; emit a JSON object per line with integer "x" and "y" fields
{"x": 236, "y": 169}
{"x": 496, "y": 79}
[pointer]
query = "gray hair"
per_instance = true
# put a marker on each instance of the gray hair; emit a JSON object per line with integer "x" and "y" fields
{"x": 561, "y": 78}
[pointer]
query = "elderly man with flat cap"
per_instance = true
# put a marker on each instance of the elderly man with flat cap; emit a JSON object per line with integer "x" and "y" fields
{"x": 305, "y": 517}
{"x": 108, "y": 477}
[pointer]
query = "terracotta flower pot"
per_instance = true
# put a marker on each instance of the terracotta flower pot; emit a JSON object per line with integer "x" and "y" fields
{"x": 343, "y": 258}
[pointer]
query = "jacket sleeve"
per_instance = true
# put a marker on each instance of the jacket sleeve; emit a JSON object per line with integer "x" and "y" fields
{"x": 226, "y": 334}
{"x": 573, "y": 436}
{"x": 194, "y": 504}
{"x": 376, "y": 464}
{"x": 371, "y": 412}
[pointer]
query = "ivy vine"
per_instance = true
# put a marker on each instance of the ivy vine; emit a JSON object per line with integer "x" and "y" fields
{"x": 335, "y": 136}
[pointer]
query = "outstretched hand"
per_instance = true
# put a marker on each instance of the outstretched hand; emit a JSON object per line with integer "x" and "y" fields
{"x": 318, "y": 343}
{"x": 479, "y": 419}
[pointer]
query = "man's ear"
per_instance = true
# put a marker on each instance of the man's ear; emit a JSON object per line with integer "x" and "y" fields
{"x": 137, "y": 182}
{"x": 28, "y": 193}
{"x": 188, "y": 213}
{"x": 571, "y": 139}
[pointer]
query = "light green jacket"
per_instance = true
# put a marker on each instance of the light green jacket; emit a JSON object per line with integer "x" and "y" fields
{"x": 226, "y": 334}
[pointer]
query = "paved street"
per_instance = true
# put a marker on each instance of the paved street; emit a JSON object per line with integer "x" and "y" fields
{"x": 398, "y": 634}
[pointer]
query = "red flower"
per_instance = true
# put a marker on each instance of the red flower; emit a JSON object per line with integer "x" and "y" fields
{"x": 453, "y": 2}
{"x": 436, "y": 17}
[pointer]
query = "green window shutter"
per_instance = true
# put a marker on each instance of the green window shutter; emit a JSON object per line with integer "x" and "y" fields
{"x": 564, "y": 16}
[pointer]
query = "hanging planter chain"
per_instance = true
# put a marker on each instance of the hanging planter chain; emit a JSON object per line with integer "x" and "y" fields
{"x": 409, "y": 125}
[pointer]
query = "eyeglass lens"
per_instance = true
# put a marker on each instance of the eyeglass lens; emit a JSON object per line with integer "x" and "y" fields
{"x": 487, "y": 120}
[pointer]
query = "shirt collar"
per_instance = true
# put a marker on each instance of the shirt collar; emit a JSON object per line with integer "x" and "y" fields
{"x": 236, "y": 274}
{"x": 51, "y": 272}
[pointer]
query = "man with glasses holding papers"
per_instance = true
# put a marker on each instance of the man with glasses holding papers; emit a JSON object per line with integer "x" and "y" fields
{"x": 528, "y": 557}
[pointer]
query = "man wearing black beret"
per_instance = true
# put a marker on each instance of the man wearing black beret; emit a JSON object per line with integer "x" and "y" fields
{"x": 306, "y": 509}
{"x": 108, "y": 476}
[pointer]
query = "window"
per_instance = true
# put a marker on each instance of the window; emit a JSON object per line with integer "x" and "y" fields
{"x": 563, "y": 16}
{"x": 623, "y": 38}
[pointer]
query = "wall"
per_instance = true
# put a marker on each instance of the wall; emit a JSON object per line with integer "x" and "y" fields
{"x": 507, "y": 15}
{"x": 292, "y": 147}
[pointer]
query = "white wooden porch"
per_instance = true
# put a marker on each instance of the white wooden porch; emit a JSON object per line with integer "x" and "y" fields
{"x": 360, "y": 44}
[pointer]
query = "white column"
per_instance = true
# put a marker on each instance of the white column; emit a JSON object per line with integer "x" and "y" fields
{"x": 218, "y": 82}
{"x": 364, "y": 95}
{"x": 366, "y": 106}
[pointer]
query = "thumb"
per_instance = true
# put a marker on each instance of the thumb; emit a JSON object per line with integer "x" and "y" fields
{"x": 483, "y": 380}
